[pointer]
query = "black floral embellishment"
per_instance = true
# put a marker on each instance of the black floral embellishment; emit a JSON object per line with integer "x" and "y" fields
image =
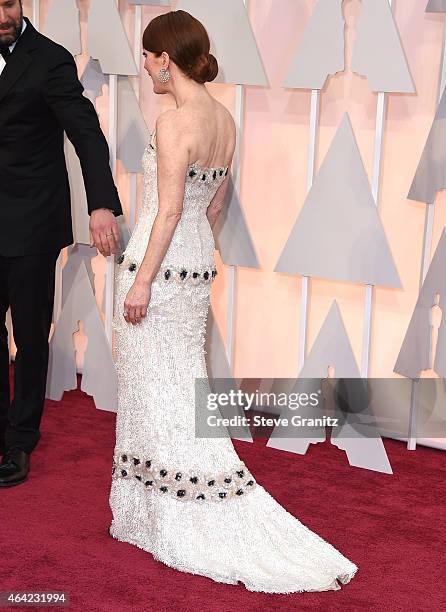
{"x": 203, "y": 178}
{"x": 214, "y": 273}
{"x": 195, "y": 274}
{"x": 167, "y": 274}
{"x": 192, "y": 173}
{"x": 214, "y": 176}
{"x": 206, "y": 275}
{"x": 132, "y": 267}
{"x": 221, "y": 172}
{"x": 183, "y": 274}
{"x": 159, "y": 478}
{"x": 226, "y": 171}
{"x": 120, "y": 259}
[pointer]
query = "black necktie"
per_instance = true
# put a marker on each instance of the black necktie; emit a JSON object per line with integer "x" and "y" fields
{"x": 5, "y": 53}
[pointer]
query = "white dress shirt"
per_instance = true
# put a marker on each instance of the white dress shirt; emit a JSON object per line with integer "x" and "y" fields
{"x": 11, "y": 48}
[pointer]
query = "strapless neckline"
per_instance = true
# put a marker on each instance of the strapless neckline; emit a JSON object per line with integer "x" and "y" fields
{"x": 194, "y": 165}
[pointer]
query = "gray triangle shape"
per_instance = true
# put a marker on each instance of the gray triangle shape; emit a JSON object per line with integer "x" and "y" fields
{"x": 77, "y": 254}
{"x": 99, "y": 374}
{"x": 313, "y": 61}
{"x": 331, "y": 348}
{"x": 220, "y": 375}
{"x": 107, "y": 40}
{"x": 216, "y": 358}
{"x": 430, "y": 175}
{"x": 232, "y": 40}
{"x": 79, "y": 209}
{"x": 133, "y": 133}
{"x": 436, "y": 6}
{"x": 414, "y": 355}
{"x": 338, "y": 234}
{"x": 150, "y": 2}
{"x": 93, "y": 80}
{"x": 378, "y": 53}
{"x": 62, "y": 25}
{"x": 362, "y": 444}
{"x": 232, "y": 237}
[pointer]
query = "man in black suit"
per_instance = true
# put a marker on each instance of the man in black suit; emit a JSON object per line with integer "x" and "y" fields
{"x": 40, "y": 98}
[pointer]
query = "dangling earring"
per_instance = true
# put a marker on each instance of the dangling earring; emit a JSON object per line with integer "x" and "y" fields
{"x": 164, "y": 75}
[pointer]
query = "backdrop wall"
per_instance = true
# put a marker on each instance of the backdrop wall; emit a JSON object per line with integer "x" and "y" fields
{"x": 273, "y": 181}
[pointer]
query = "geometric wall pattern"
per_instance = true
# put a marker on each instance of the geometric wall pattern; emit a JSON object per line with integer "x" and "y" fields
{"x": 62, "y": 25}
{"x": 107, "y": 40}
{"x": 384, "y": 64}
{"x": 436, "y": 6}
{"x": 416, "y": 350}
{"x": 363, "y": 445}
{"x": 338, "y": 234}
{"x": 232, "y": 40}
{"x": 99, "y": 375}
{"x": 430, "y": 175}
{"x": 313, "y": 62}
{"x": 232, "y": 237}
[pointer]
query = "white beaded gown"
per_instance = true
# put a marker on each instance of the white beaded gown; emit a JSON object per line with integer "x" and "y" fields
{"x": 191, "y": 502}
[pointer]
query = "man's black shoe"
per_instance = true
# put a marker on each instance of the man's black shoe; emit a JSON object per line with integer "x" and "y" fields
{"x": 14, "y": 467}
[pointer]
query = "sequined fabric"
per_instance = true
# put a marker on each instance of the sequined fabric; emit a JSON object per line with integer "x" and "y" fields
{"x": 246, "y": 536}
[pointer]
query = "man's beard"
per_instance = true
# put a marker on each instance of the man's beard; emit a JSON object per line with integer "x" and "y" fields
{"x": 7, "y": 39}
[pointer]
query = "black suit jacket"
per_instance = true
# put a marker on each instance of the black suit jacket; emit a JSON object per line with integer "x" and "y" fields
{"x": 40, "y": 97}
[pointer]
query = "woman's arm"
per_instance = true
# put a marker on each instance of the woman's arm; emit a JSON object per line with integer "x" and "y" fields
{"x": 172, "y": 162}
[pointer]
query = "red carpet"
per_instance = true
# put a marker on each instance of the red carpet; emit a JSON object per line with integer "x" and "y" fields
{"x": 53, "y": 528}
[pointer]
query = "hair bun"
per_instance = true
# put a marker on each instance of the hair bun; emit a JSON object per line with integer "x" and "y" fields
{"x": 206, "y": 69}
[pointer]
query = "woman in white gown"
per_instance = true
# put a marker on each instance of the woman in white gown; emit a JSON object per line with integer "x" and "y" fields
{"x": 189, "y": 501}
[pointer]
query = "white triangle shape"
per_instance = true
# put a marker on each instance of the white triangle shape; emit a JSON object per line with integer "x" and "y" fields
{"x": 313, "y": 61}
{"x": 62, "y": 25}
{"x": 93, "y": 80}
{"x": 338, "y": 234}
{"x": 107, "y": 40}
{"x": 99, "y": 374}
{"x": 232, "y": 237}
{"x": 232, "y": 40}
{"x": 133, "y": 133}
{"x": 414, "y": 355}
{"x": 430, "y": 175}
{"x": 378, "y": 53}
{"x": 436, "y": 6}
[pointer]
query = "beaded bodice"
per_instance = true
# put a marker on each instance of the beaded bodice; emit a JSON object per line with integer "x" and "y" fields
{"x": 192, "y": 246}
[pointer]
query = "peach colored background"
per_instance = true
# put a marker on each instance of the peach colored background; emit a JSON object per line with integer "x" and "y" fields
{"x": 273, "y": 184}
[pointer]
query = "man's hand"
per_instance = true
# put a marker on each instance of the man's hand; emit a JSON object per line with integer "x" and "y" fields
{"x": 104, "y": 231}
